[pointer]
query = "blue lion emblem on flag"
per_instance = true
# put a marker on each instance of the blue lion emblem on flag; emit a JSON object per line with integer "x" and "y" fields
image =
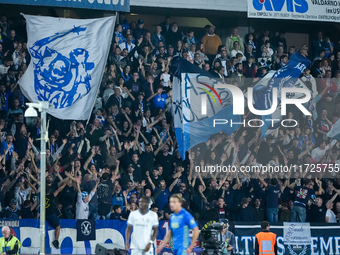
{"x": 58, "y": 79}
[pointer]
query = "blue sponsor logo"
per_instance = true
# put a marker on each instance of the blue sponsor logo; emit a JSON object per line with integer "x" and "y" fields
{"x": 299, "y": 6}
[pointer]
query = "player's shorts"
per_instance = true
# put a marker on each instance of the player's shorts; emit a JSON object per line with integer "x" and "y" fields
{"x": 181, "y": 251}
{"x": 141, "y": 252}
{"x": 53, "y": 220}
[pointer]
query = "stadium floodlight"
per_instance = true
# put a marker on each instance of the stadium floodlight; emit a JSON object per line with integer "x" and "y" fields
{"x": 31, "y": 115}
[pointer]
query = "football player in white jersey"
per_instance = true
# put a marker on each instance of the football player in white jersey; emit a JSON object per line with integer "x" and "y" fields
{"x": 144, "y": 226}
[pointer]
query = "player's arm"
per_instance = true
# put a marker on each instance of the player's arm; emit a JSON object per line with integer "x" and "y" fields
{"x": 153, "y": 237}
{"x": 155, "y": 232}
{"x": 195, "y": 233}
{"x": 191, "y": 223}
{"x": 127, "y": 237}
{"x": 164, "y": 242}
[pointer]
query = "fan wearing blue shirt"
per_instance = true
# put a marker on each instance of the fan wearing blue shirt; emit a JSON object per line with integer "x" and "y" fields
{"x": 118, "y": 35}
{"x": 158, "y": 99}
{"x": 181, "y": 222}
{"x": 273, "y": 192}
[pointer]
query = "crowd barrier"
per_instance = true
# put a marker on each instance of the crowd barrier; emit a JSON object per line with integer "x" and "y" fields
{"x": 325, "y": 239}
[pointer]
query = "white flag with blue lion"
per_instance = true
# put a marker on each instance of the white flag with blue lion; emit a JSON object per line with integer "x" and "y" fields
{"x": 68, "y": 57}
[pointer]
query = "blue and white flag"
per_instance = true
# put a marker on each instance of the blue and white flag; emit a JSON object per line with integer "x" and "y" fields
{"x": 68, "y": 57}
{"x": 334, "y": 133}
{"x": 285, "y": 77}
{"x": 191, "y": 126}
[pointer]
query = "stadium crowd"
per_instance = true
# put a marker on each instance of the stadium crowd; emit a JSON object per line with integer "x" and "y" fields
{"x": 129, "y": 148}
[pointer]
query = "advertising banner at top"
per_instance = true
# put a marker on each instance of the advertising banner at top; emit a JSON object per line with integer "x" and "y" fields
{"x": 317, "y": 10}
{"x": 109, "y": 5}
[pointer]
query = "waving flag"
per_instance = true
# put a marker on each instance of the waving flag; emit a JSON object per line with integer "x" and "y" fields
{"x": 191, "y": 126}
{"x": 285, "y": 77}
{"x": 68, "y": 60}
{"x": 334, "y": 133}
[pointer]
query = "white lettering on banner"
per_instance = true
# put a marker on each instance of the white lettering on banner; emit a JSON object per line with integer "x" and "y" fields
{"x": 324, "y": 242}
{"x": 34, "y": 241}
{"x": 108, "y": 2}
{"x": 246, "y": 240}
{"x": 280, "y": 245}
{"x": 326, "y": 246}
{"x": 314, "y": 246}
{"x": 102, "y": 235}
{"x": 10, "y": 223}
{"x": 337, "y": 244}
{"x": 319, "y": 246}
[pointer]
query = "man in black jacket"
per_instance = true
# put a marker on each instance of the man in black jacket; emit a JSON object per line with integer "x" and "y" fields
{"x": 209, "y": 214}
{"x": 130, "y": 175}
{"x": 140, "y": 30}
{"x": 116, "y": 99}
{"x": 247, "y": 213}
{"x": 166, "y": 25}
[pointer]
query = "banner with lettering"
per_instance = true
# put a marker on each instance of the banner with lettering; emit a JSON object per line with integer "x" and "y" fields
{"x": 324, "y": 238}
{"x": 317, "y": 10}
{"x": 110, "y": 5}
{"x": 193, "y": 88}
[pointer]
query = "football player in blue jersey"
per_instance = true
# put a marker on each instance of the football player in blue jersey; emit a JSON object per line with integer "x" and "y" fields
{"x": 181, "y": 221}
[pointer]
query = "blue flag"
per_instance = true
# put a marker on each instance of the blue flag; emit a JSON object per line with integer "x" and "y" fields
{"x": 334, "y": 133}
{"x": 283, "y": 78}
{"x": 191, "y": 125}
{"x": 86, "y": 230}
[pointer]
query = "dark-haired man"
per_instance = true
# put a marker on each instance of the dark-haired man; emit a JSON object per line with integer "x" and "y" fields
{"x": 238, "y": 75}
{"x": 104, "y": 193}
{"x": 265, "y": 241}
{"x": 282, "y": 63}
{"x": 272, "y": 199}
{"x": 280, "y": 40}
{"x": 51, "y": 216}
{"x": 318, "y": 210}
{"x": 140, "y": 31}
{"x": 302, "y": 195}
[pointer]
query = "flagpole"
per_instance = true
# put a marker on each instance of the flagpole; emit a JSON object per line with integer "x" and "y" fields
{"x": 32, "y": 113}
{"x": 43, "y": 182}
